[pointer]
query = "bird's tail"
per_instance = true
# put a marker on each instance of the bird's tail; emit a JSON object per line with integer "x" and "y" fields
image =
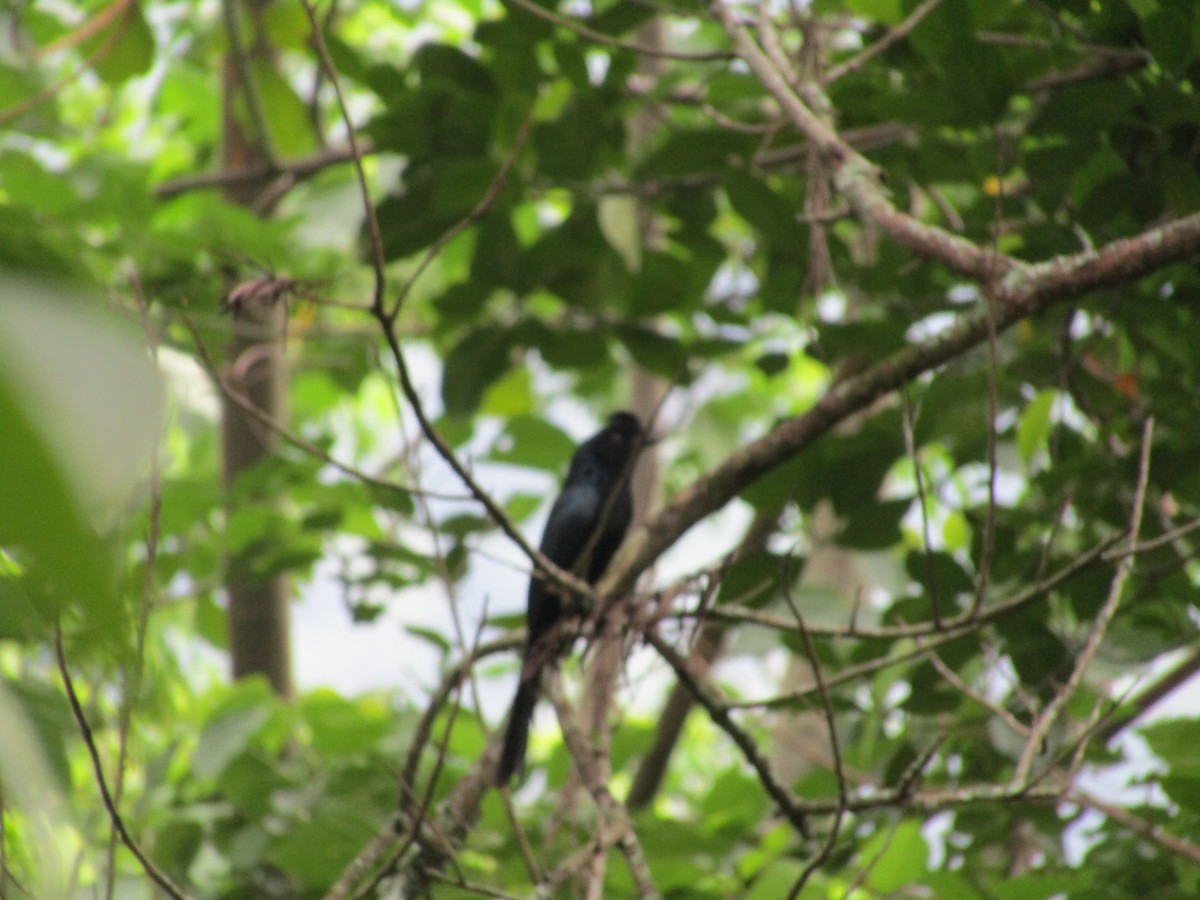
{"x": 512, "y": 756}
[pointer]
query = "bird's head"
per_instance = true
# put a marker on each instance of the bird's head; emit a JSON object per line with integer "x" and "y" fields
{"x": 621, "y": 437}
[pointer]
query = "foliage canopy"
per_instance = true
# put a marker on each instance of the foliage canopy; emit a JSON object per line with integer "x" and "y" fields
{"x": 921, "y": 282}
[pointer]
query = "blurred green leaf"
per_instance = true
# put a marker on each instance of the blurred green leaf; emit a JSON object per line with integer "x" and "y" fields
{"x": 123, "y": 49}
{"x": 901, "y": 857}
{"x": 1033, "y": 431}
{"x": 477, "y": 360}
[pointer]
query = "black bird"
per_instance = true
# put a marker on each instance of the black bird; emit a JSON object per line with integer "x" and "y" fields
{"x": 594, "y": 508}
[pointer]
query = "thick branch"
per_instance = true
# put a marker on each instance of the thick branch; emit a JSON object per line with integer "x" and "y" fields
{"x": 1024, "y": 292}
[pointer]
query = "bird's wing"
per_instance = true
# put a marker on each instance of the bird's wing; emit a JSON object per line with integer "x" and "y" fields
{"x": 572, "y": 520}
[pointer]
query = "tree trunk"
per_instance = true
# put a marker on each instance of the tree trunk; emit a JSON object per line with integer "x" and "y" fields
{"x": 258, "y": 608}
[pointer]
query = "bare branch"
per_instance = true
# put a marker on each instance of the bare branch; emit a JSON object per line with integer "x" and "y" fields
{"x": 1153, "y": 693}
{"x": 607, "y": 40}
{"x": 834, "y": 743}
{"x": 157, "y": 875}
{"x": 931, "y": 587}
{"x": 718, "y": 711}
{"x": 615, "y": 815}
{"x": 1152, "y": 831}
{"x": 387, "y": 323}
{"x": 486, "y": 202}
{"x": 298, "y": 169}
{"x": 892, "y": 37}
{"x": 1045, "y": 720}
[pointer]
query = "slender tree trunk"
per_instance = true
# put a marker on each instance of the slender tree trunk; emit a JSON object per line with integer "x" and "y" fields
{"x": 258, "y": 607}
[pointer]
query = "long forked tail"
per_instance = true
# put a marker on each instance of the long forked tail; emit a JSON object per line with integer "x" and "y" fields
{"x": 512, "y": 756}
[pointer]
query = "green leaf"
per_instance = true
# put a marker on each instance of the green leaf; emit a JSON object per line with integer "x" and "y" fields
{"x": 532, "y": 441}
{"x": 30, "y": 789}
{"x": 287, "y": 115}
{"x": 232, "y": 728}
{"x": 656, "y": 352}
{"x": 441, "y": 62}
{"x": 663, "y": 284}
{"x": 511, "y": 395}
{"x": 901, "y": 857}
{"x": 1033, "y": 430}
{"x": 1173, "y": 740}
{"x": 316, "y": 850}
{"x": 477, "y": 360}
{"x": 46, "y": 709}
{"x": 1171, "y": 34}
{"x": 949, "y": 575}
{"x": 16, "y": 84}
{"x": 956, "y": 531}
{"x": 691, "y": 152}
{"x": 875, "y": 526}
{"x": 772, "y": 215}
{"x": 27, "y": 183}
{"x": 124, "y": 49}
{"x": 885, "y": 12}
{"x": 287, "y": 26}
{"x": 618, "y": 217}
{"x": 1040, "y": 885}
{"x": 73, "y": 445}
{"x": 343, "y": 727}
{"x": 19, "y": 620}
{"x": 776, "y": 880}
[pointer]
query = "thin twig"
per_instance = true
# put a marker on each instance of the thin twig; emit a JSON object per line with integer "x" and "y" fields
{"x": 299, "y": 169}
{"x": 607, "y": 40}
{"x": 966, "y": 690}
{"x": 277, "y": 425}
{"x": 1152, "y": 831}
{"x": 834, "y": 742}
{"x": 1152, "y": 694}
{"x": 960, "y": 624}
{"x": 418, "y": 821}
{"x": 893, "y": 35}
{"x": 1046, "y": 719}
{"x": 156, "y": 874}
{"x": 383, "y": 844}
{"x": 614, "y": 814}
{"x": 768, "y": 36}
{"x": 490, "y": 195}
{"x": 123, "y": 8}
{"x": 471, "y": 887}
{"x": 719, "y": 712}
{"x": 910, "y": 446}
{"x": 1154, "y": 543}
{"x": 387, "y": 324}
{"x": 131, "y": 674}
{"x": 989, "y": 521}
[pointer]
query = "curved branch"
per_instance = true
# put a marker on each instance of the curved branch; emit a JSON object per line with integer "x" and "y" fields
{"x": 386, "y": 320}
{"x": 157, "y": 875}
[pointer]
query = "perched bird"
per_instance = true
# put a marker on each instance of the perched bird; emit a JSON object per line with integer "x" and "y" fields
{"x": 587, "y": 523}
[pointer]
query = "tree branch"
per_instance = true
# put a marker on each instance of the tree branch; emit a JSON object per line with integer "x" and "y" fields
{"x": 1046, "y": 719}
{"x": 157, "y": 875}
{"x": 1025, "y": 291}
{"x": 304, "y": 167}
